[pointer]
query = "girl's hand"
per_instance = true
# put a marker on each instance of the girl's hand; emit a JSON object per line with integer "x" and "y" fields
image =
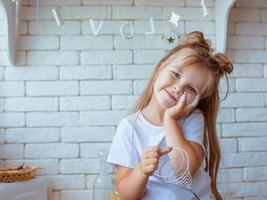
{"x": 181, "y": 109}
{"x": 150, "y": 159}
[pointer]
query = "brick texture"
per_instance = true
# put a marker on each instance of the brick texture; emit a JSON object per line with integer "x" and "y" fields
{"x": 69, "y": 89}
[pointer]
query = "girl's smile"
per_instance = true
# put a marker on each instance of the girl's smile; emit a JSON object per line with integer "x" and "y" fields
{"x": 171, "y": 96}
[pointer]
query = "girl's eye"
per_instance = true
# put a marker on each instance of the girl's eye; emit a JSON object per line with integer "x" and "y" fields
{"x": 175, "y": 74}
{"x": 192, "y": 90}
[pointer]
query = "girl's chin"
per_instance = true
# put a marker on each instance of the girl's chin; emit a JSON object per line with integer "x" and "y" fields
{"x": 170, "y": 102}
{"x": 167, "y": 104}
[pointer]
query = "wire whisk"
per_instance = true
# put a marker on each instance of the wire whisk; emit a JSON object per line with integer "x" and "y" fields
{"x": 174, "y": 168}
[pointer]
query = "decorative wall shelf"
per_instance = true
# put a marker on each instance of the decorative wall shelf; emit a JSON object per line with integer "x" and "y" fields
{"x": 9, "y": 9}
{"x": 222, "y": 9}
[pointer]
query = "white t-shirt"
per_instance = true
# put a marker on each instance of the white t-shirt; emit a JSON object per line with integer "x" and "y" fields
{"x": 135, "y": 133}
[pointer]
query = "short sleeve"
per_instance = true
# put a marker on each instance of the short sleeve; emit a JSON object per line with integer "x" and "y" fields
{"x": 193, "y": 128}
{"x": 123, "y": 151}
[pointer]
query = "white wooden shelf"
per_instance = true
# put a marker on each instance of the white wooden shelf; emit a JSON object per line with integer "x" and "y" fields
{"x": 222, "y": 9}
{"x": 9, "y": 9}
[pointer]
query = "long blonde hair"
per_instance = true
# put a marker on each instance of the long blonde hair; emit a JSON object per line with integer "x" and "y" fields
{"x": 219, "y": 65}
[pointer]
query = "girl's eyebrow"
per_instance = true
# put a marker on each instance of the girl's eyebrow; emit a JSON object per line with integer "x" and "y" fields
{"x": 176, "y": 67}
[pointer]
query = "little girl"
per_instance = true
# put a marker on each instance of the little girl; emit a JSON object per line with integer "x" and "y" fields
{"x": 178, "y": 108}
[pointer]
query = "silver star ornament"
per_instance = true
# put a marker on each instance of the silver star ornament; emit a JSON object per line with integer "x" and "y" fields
{"x": 174, "y": 18}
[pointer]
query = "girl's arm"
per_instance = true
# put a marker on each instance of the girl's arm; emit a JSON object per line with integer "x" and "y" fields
{"x": 131, "y": 183}
{"x": 174, "y": 137}
{"x": 174, "y": 134}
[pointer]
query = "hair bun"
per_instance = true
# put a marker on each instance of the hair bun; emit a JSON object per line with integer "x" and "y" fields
{"x": 224, "y": 63}
{"x": 196, "y": 38}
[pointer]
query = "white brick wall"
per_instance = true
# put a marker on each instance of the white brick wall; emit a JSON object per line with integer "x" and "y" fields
{"x": 50, "y": 150}
{"x": 38, "y": 42}
{"x": 53, "y": 88}
{"x": 62, "y": 101}
{"x": 53, "y": 58}
{"x": 32, "y": 73}
{"x": 79, "y": 166}
{"x": 88, "y": 134}
{"x": 50, "y": 28}
{"x": 106, "y": 57}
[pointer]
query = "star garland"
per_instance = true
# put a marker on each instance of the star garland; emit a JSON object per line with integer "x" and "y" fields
{"x": 173, "y": 19}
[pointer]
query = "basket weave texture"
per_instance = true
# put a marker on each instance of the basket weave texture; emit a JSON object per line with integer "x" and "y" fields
{"x": 16, "y": 174}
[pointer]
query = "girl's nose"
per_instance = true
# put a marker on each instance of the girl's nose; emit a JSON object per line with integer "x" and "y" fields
{"x": 178, "y": 88}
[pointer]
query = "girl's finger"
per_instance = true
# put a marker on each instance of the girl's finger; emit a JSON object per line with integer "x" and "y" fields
{"x": 151, "y": 168}
{"x": 152, "y": 161}
{"x": 182, "y": 101}
{"x": 164, "y": 151}
{"x": 195, "y": 101}
{"x": 192, "y": 105}
{"x": 152, "y": 154}
{"x": 151, "y": 149}
{"x": 183, "y": 97}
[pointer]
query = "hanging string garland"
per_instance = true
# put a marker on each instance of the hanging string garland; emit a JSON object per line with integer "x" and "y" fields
{"x": 152, "y": 26}
{"x": 204, "y": 9}
{"x": 127, "y": 29}
{"x": 130, "y": 33}
{"x": 171, "y": 40}
{"x": 16, "y": 2}
{"x": 95, "y": 30}
{"x": 174, "y": 19}
{"x": 57, "y": 17}
{"x": 170, "y": 37}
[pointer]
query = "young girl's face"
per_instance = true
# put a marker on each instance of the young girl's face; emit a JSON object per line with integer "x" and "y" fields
{"x": 173, "y": 80}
